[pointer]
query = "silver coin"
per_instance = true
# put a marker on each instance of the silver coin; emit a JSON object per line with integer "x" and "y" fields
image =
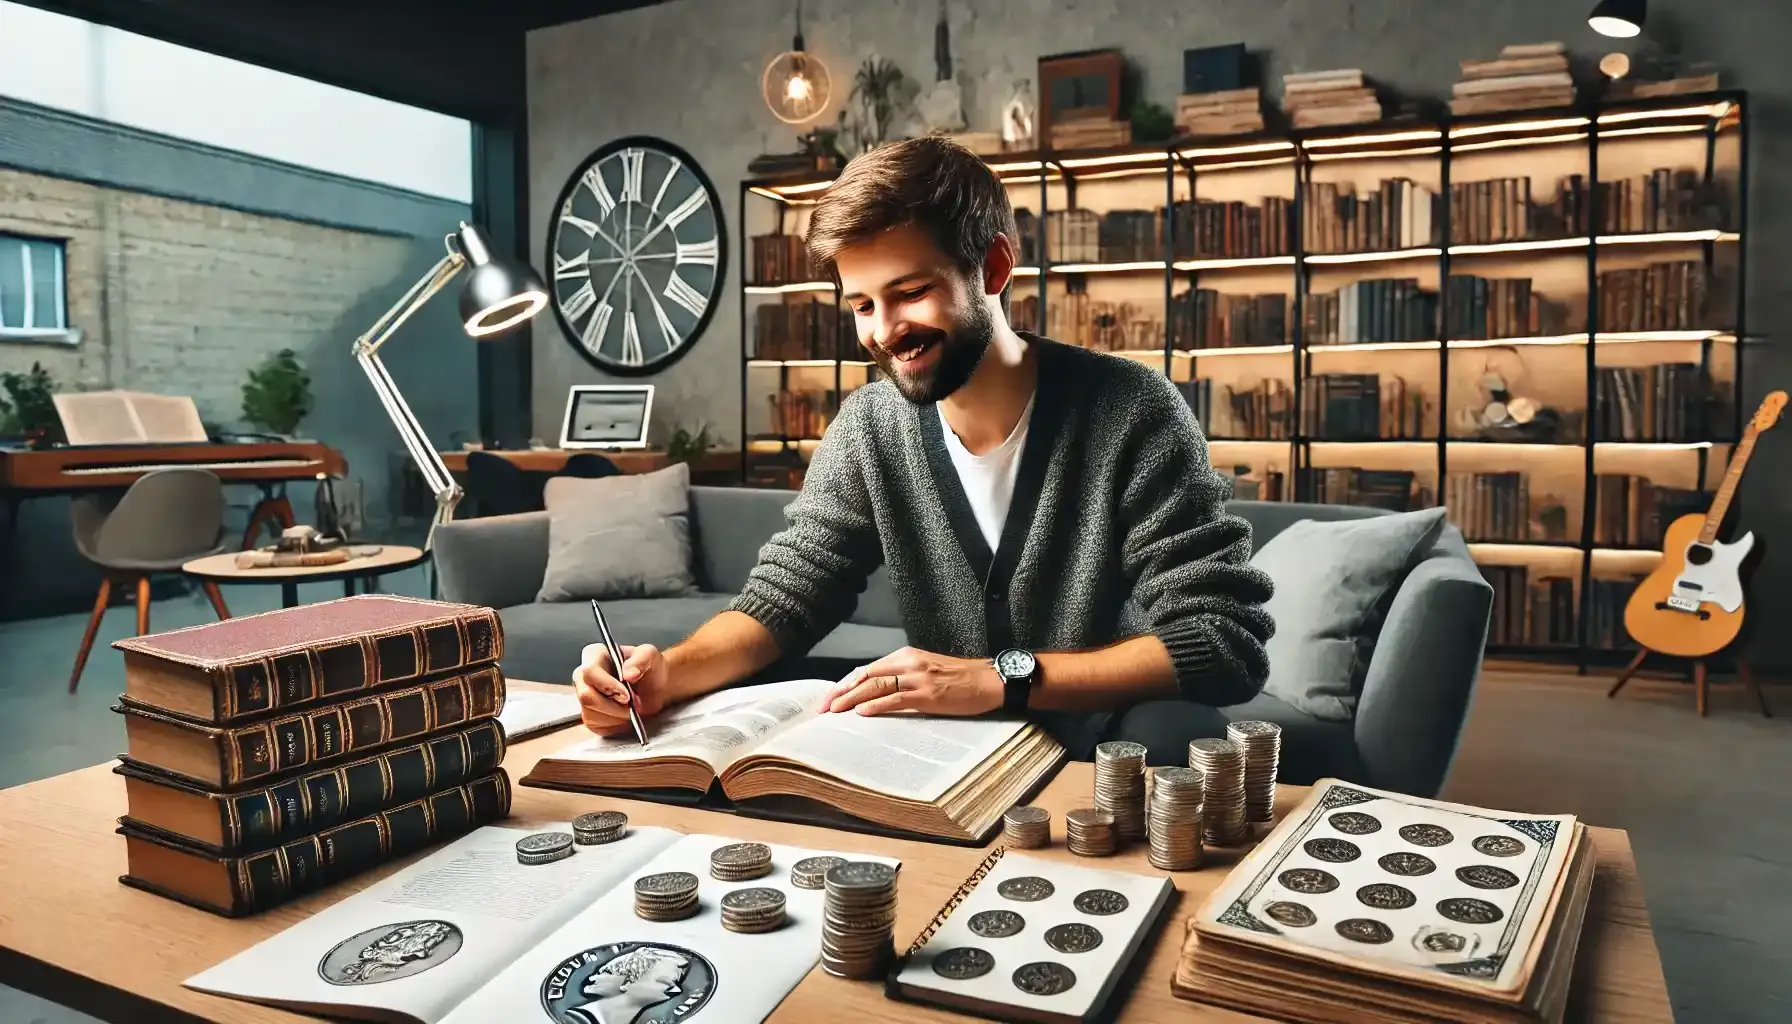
{"x": 1027, "y": 815}
{"x": 544, "y": 842}
{"x": 1043, "y": 978}
{"x": 996, "y": 924}
{"x": 1426, "y": 835}
{"x": 1355, "y": 823}
{"x": 760, "y": 898}
{"x": 1308, "y": 881}
{"x": 1498, "y": 846}
{"x": 961, "y": 963}
{"x": 1386, "y": 896}
{"x": 1332, "y": 851}
{"x": 548, "y": 857}
{"x": 741, "y": 855}
{"x": 1443, "y": 942}
{"x": 1026, "y": 889}
{"x": 1178, "y": 778}
{"x": 1255, "y": 729}
{"x": 666, "y": 883}
{"x": 1119, "y": 750}
{"x": 1407, "y": 863}
{"x": 1211, "y": 746}
{"x": 641, "y": 982}
{"x": 1294, "y": 915}
{"x": 599, "y": 821}
{"x": 1101, "y": 902}
{"x": 1364, "y": 930}
{"x": 811, "y": 872}
{"x": 1486, "y": 876}
{"x": 860, "y": 874}
{"x": 1469, "y": 911}
{"x": 1074, "y": 937}
{"x": 389, "y": 952}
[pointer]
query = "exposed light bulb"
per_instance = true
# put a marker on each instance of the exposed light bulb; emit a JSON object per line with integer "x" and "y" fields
{"x": 1617, "y": 28}
{"x": 797, "y": 88}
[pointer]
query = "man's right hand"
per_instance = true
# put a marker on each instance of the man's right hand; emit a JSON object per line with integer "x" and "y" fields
{"x": 603, "y": 702}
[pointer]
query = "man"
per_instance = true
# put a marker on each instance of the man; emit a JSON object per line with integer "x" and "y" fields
{"x": 1018, "y": 490}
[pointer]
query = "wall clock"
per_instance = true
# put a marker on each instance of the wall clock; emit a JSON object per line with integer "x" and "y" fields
{"x": 637, "y": 253}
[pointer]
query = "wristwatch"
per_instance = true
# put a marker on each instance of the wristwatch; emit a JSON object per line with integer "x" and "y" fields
{"x": 1019, "y": 671}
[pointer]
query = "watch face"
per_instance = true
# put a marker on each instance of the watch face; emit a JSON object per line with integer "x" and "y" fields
{"x": 1014, "y": 664}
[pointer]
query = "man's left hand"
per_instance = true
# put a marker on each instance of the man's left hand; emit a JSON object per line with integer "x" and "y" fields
{"x": 915, "y": 680}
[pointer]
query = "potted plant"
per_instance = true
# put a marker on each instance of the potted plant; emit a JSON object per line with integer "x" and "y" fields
{"x": 27, "y": 409}
{"x": 687, "y": 447}
{"x": 278, "y": 393}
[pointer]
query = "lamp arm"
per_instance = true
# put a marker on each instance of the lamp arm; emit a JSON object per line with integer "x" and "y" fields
{"x": 430, "y": 283}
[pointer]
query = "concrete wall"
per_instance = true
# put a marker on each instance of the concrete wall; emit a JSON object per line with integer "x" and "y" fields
{"x": 689, "y": 71}
{"x": 187, "y": 266}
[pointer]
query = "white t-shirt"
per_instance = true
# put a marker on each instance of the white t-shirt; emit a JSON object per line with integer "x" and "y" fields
{"x": 988, "y": 479}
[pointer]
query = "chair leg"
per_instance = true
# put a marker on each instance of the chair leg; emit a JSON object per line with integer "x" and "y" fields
{"x": 93, "y": 627}
{"x": 1629, "y": 670}
{"x": 279, "y": 510}
{"x": 1698, "y": 682}
{"x": 217, "y": 599}
{"x": 142, "y": 605}
{"x": 1748, "y": 680}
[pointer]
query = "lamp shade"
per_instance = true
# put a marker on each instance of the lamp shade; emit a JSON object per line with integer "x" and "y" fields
{"x": 1620, "y": 19}
{"x": 499, "y": 294}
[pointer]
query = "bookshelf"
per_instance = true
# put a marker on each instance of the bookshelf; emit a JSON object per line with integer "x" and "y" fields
{"x": 1533, "y": 318}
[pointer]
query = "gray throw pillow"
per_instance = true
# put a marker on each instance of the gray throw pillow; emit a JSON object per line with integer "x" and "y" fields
{"x": 619, "y": 536}
{"x": 1333, "y": 584}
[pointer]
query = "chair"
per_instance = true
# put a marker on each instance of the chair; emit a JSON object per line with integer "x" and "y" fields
{"x": 501, "y": 488}
{"x": 164, "y": 520}
{"x": 589, "y": 466}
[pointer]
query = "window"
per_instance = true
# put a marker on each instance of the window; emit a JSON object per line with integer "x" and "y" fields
{"x": 33, "y": 293}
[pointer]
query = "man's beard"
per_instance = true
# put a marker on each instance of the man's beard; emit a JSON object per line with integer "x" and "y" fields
{"x": 960, "y": 350}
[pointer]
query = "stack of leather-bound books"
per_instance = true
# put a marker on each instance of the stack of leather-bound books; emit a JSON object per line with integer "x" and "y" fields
{"x": 273, "y": 754}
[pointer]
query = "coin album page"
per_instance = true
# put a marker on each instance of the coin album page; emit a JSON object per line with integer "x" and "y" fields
{"x": 419, "y": 941}
{"x": 1444, "y": 895}
{"x": 607, "y": 965}
{"x": 1036, "y": 940}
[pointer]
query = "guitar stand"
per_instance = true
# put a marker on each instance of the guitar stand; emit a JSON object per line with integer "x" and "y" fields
{"x": 1698, "y": 678}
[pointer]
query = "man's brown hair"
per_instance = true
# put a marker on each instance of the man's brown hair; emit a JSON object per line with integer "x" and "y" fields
{"x": 935, "y": 184}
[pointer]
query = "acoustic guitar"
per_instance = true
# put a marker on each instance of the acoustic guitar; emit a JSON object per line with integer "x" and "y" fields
{"x": 1691, "y": 606}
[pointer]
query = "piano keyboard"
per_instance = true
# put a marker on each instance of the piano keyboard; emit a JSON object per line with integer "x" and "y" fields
{"x": 144, "y": 467}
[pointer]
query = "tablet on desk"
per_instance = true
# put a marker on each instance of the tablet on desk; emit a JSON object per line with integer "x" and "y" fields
{"x": 607, "y": 416}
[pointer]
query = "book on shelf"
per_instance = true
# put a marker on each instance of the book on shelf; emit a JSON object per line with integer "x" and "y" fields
{"x": 1665, "y": 199}
{"x": 1293, "y": 931}
{"x": 1073, "y": 236}
{"x": 1685, "y": 85}
{"x": 1543, "y": 612}
{"x": 1398, "y": 214}
{"x": 1215, "y": 229}
{"x": 1316, "y": 99}
{"x": 1524, "y": 76}
{"x": 802, "y": 414}
{"x": 1130, "y": 236}
{"x": 804, "y": 325}
{"x": 1667, "y": 295}
{"x": 1497, "y": 210}
{"x": 1027, "y": 223}
{"x": 1205, "y": 318}
{"x": 1264, "y": 411}
{"x": 1663, "y": 402}
{"x": 1090, "y": 133}
{"x": 1226, "y": 112}
{"x": 1492, "y": 507}
{"x": 233, "y": 669}
{"x": 1360, "y": 407}
{"x": 468, "y": 935}
{"x": 1393, "y": 489}
{"x": 1500, "y": 307}
{"x": 1372, "y": 310}
{"x": 1633, "y": 512}
{"x": 780, "y": 259}
{"x": 769, "y": 750}
{"x": 1104, "y": 325}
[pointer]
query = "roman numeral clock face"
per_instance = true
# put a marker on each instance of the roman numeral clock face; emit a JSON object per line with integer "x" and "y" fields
{"x": 636, "y": 254}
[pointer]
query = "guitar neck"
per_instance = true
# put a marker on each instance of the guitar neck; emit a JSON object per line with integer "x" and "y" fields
{"x": 1720, "y": 506}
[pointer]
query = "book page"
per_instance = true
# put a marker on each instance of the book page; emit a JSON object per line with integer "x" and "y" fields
{"x": 168, "y": 419}
{"x": 913, "y": 757}
{"x": 527, "y": 711}
{"x": 718, "y": 729}
{"x": 610, "y": 966}
{"x": 98, "y": 417}
{"x": 420, "y": 941}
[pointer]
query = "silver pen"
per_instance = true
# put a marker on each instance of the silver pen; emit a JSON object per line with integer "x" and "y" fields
{"x": 603, "y": 629}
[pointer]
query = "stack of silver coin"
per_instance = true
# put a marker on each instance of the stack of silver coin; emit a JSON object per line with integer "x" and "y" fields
{"x": 859, "y": 919}
{"x": 812, "y": 872}
{"x": 751, "y": 911}
{"x": 667, "y": 896}
{"x": 599, "y": 827}
{"x": 1262, "y": 743}
{"x": 544, "y": 848}
{"x": 1173, "y": 818}
{"x": 1222, "y": 811}
{"x": 1120, "y": 786}
{"x": 1090, "y": 832}
{"x": 1027, "y": 828}
{"x": 738, "y": 862}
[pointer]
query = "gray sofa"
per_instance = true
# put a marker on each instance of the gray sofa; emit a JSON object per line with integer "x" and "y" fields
{"x": 1408, "y": 719}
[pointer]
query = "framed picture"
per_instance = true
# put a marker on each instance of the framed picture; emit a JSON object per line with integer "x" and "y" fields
{"x": 1079, "y": 86}
{"x": 607, "y": 416}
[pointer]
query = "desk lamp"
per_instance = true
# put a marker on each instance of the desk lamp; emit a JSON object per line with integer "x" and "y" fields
{"x": 498, "y": 295}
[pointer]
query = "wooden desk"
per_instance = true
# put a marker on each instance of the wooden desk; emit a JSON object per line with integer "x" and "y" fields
{"x": 634, "y": 460}
{"x": 71, "y": 933}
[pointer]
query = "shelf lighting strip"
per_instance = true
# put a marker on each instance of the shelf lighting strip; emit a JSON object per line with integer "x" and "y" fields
{"x": 806, "y": 362}
{"x": 784, "y": 289}
{"x": 1630, "y": 338}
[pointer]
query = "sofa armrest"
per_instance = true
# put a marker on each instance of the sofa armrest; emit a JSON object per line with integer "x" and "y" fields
{"x": 497, "y": 561}
{"x": 1422, "y": 674}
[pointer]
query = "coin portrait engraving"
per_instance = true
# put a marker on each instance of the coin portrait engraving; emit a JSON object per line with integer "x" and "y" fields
{"x": 1386, "y": 896}
{"x": 1074, "y": 937}
{"x": 543, "y": 842}
{"x": 996, "y": 924}
{"x": 1498, "y": 846}
{"x": 741, "y": 854}
{"x": 1407, "y": 864}
{"x": 1442, "y": 942}
{"x": 1026, "y": 889}
{"x": 666, "y": 883}
{"x": 1100, "y": 902}
{"x": 1308, "y": 881}
{"x": 1365, "y": 930}
{"x": 812, "y": 872}
{"x": 862, "y": 874}
{"x": 629, "y": 983}
{"x": 1469, "y": 910}
{"x": 760, "y": 898}
{"x": 1355, "y": 823}
{"x": 1486, "y": 876}
{"x": 389, "y": 952}
{"x": 1332, "y": 851}
{"x": 1294, "y": 915}
{"x": 1426, "y": 835}
{"x": 961, "y": 963}
{"x": 1043, "y": 978}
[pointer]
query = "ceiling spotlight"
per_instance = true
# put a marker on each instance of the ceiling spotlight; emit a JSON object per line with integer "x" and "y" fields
{"x": 1621, "y": 19}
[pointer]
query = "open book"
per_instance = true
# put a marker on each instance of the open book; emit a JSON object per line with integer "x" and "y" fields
{"x": 772, "y": 751}
{"x": 128, "y": 417}
{"x": 468, "y": 935}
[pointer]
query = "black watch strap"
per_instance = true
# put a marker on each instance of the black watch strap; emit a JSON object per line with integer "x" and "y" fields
{"x": 1017, "y": 687}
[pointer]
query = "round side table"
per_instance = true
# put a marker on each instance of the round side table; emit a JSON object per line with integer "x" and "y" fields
{"x": 391, "y": 558}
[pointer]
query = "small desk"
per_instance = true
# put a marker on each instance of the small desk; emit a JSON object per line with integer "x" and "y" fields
{"x": 633, "y": 460}
{"x": 71, "y": 933}
{"x": 391, "y": 558}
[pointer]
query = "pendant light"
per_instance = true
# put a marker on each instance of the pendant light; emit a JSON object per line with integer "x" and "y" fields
{"x": 1621, "y": 19}
{"x": 795, "y": 84}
